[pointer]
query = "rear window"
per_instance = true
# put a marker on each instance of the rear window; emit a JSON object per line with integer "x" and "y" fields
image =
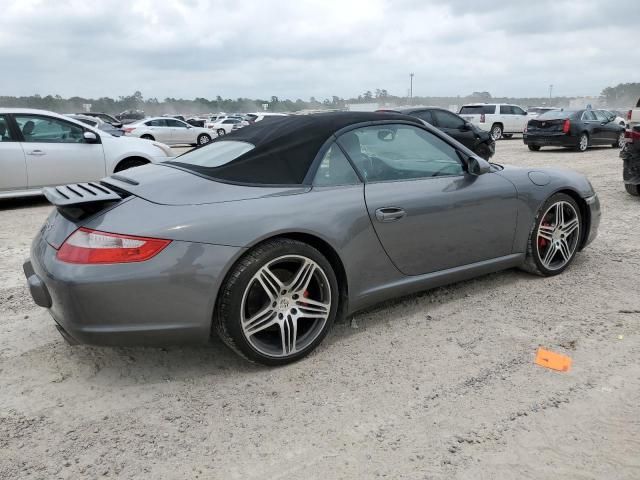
{"x": 216, "y": 154}
{"x": 556, "y": 114}
{"x": 477, "y": 109}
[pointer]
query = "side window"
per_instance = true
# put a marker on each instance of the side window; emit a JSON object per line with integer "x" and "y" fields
{"x": 601, "y": 115}
{"x": 424, "y": 115}
{"x": 49, "y": 130}
{"x": 157, "y": 122}
{"x": 448, "y": 120}
{"x": 172, "y": 122}
{"x": 588, "y": 115}
{"x": 335, "y": 169}
{"x": 506, "y": 109}
{"x": 518, "y": 110}
{"x": 5, "y": 133}
{"x": 399, "y": 152}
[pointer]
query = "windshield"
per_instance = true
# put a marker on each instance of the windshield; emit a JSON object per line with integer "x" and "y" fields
{"x": 215, "y": 154}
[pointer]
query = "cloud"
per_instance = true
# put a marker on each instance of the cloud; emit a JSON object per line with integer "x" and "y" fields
{"x": 297, "y": 49}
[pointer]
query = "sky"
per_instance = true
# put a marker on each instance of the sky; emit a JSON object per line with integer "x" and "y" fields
{"x": 298, "y": 48}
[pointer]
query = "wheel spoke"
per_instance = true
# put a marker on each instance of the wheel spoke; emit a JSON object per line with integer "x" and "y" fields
{"x": 559, "y": 215}
{"x": 288, "y": 334}
{"x": 312, "y": 308}
{"x": 261, "y": 320}
{"x": 546, "y": 232}
{"x": 302, "y": 277}
{"x": 565, "y": 251}
{"x": 570, "y": 227}
{"x": 548, "y": 257}
{"x": 270, "y": 283}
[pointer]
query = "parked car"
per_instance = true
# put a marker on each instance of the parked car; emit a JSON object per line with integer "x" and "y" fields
{"x": 577, "y": 129}
{"x": 472, "y": 137}
{"x": 630, "y": 155}
{"x": 97, "y": 122}
{"x": 501, "y": 119}
{"x": 533, "y": 112}
{"x": 253, "y": 239}
{"x": 168, "y": 130}
{"x": 104, "y": 117}
{"x": 226, "y": 125}
{"x": 40, "y": 148}
{"x": 633, "y": 115}
{"x": 196, "y": 122}
{"x": 130, "y": 116}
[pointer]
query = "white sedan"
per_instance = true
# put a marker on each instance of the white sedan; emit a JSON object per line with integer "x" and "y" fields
{"x": 226, "y": 125}
{"x": 168, "y": 130}
{"x": 40, "y": 148}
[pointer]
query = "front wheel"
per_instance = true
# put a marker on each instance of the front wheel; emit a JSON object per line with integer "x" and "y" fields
{"x": 277, "y": 303}
{"x": 203, "y": 139}
{"x": 220, "y": 132}
{"x": 632, "y": 189}
{"x": 534, "y": 148}
{"x": 147, "y": 137}
{"x": 485, "y": 151}
{"x": 620, "y": 143}
{"x": 583, "y": 142}
{"x": 555, "y": 236}
{"x": 496, "y": 131}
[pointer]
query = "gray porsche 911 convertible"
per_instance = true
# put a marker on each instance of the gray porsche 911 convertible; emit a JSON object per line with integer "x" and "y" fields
{"x": 267, "y": 235}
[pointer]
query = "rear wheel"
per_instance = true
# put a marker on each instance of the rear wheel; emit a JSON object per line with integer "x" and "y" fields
{"x": 555, "y": 236}
{"x": 583, "y": 142}
{"x": 620, "y": 142}
{"x": 203, "y": 139}
{"x": 496, "y": 131}
{"x": 130, "y": 163}
{"x": 220, "y": 132}
{"x": 632, "y": 189}
{"x": 147, "y": 137}
{"x": 278, "y": 302}
{"x": 534, "y": 148}
{"x": 483, "y": 150}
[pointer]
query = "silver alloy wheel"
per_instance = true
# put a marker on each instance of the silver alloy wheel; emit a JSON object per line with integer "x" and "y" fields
{"x": 204, "y": 139}
{"x": 558, "y": 235}
{"x": 621, "y": 140}
{"x": 496, "y": 132}
{"x": 221, "y": 132}
{"x": 584, "y": 142}
{"x": 285, "y": 306}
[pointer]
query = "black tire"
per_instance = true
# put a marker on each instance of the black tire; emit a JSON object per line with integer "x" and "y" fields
{"x": 533, "y": 263}
{"x": 496, "y": 131}
{"x": 484, "y": 151}
{"x": 220, "y": 132}
{"x": 507, "y": 135}
{"x": 620, "y": 142}
{"x": 583, "y": 144}
{"x": 129, "y": 163}
{"x": 203, "y": 139}
{"x": 632, "y": 189}
{"x": 534, "y": 148}
{"x": 146, "y": 136}
{"x": 228, "y": 314}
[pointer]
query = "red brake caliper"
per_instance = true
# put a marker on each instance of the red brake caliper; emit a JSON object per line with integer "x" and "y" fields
{"x": 543, "y": 242}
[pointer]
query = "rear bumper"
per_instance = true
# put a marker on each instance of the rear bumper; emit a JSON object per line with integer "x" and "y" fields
{"x": 630, "y": 155}
{"x": 166, "y": 300}
{"x": 595, "y": 214}
{"x": 559, "y": 140}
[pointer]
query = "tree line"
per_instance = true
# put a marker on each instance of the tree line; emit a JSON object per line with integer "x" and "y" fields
{"x": 623, "y": 95}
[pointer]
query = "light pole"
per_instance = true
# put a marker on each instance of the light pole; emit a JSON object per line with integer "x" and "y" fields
{"x": 410, "y": 88}
{"x": 550, "y": 90}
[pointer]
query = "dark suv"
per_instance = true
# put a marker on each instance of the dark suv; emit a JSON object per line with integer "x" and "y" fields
{"x": 630, "y": 155}
{"x": 478, "y": 141}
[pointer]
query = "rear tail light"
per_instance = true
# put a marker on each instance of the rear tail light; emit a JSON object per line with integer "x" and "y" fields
{"x": 566, "y": 126}
{"x": 629, "y": 113}
{"x": 92, "y": 246}
{"x": 482, "y": 118}
{"x": 632, "y": 135}
{"x": 129, "y": 129}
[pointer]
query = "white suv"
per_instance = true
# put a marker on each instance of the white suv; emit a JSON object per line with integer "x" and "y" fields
{"x": 501, "y": 119}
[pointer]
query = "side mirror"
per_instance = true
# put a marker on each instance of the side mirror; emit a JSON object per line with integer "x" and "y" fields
{"x": 90, "y": 137}
{"x": 477, "y": 166}
{"x": 466, "y": 126}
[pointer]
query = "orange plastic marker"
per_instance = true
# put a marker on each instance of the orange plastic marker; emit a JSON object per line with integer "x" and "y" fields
{"x": 552, "y": 360}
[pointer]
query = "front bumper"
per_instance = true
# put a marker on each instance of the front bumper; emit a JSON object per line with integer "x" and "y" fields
{"x": 595, "y": 214}
{"x": 166, "y": 300}
{"x": 552, "y": 140}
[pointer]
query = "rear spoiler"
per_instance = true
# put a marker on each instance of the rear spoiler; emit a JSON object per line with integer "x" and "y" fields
{"x": 79, "y": 200}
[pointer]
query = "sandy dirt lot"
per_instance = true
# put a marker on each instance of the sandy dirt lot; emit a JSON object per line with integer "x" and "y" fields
{"x": 433, "y": 386}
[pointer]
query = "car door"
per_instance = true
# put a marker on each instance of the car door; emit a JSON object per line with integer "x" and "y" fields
{"x": 593, "y": 127}
{"x": 179, "y": 131}
{"x": 13, "y": 166}
{"x": 56, "y": 151}
{"x": 427, "y": 211}
{"x": 609, "y": 130}
{"x": 160, "y": 130}
{"x": 520, "y": 119}
{"x": 506, "y": 116}
{"x": 455, "y": 127}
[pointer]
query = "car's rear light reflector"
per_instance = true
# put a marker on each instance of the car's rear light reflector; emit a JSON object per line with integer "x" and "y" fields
{"x": 92, "y": 246}
{"x": 129, "y": 129}
{"x": 566, "y": 126}
{"x": 632, "y": 135}
{"x": 482, "y": 118}
{"x": 629, "y": 113}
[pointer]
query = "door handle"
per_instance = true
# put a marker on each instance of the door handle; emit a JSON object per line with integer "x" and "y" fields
{"x": 36, "y": 152}
{"x": 389, "y": 214}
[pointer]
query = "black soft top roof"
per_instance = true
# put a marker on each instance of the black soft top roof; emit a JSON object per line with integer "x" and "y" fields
{"x": 285, "y": 147}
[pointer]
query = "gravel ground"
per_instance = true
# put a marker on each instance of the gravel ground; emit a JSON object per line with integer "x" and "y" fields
{"x": 436, "y": 385}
